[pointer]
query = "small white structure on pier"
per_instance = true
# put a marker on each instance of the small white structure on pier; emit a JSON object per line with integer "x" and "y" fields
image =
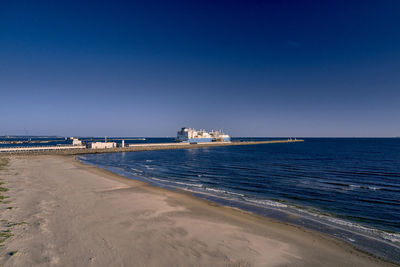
{"x": 101, "y": 145}
{"x": 74, "y": 141}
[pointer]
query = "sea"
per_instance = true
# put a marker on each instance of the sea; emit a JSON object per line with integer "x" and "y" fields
{"x": 348, "y": 188}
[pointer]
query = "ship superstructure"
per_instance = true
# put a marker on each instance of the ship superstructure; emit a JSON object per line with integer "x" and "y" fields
{"x": 191, "y": 135}
{"x": 219, "y": 136}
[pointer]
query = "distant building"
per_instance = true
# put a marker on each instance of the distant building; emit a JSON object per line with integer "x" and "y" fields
{"x": 101, "y": 145}
{"x": 74, "y": 141}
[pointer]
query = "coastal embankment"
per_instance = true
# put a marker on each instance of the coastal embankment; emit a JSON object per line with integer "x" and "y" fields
{"x": 61, "y": 212}
{"x": 71, "y": 150}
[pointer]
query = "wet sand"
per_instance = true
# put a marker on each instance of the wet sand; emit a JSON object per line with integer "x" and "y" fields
{"x": 63, "y": 213}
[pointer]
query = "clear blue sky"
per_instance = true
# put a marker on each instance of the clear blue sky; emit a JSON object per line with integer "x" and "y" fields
{"x": 252, "y": 68}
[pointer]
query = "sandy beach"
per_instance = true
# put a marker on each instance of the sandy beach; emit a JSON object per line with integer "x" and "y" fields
{"x": 59, "y": 212}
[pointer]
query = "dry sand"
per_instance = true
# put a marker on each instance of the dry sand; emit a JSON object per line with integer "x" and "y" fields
{"x": 65, "y": 213}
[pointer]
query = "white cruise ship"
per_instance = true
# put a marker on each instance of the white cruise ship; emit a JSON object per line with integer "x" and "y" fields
{"x": 193, "y": 136}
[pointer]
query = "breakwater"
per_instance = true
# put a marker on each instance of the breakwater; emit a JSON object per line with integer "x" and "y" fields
{"x": 51, "y": 150}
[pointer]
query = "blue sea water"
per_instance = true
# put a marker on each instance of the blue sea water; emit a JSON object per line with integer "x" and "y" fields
{"x": 345, "y": 187}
